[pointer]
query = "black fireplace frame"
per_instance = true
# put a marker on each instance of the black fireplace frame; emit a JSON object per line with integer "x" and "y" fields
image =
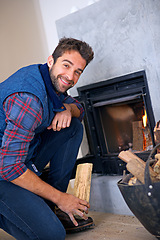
{"x": 115, "y": 89}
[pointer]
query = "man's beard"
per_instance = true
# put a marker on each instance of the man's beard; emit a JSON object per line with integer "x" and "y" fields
{"x": 56, "y": 84}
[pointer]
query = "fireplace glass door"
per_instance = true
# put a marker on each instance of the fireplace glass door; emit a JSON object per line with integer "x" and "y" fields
{"x": 124, "y": 126}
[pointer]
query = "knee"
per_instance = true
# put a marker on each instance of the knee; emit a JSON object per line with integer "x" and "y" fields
{"x": 77, "y": 126}
{"x": 53, "y": 233}
{"x": 59, "y": 234}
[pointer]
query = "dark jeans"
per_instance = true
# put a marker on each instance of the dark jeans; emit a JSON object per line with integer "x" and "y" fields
{"x": 25, "y": 215}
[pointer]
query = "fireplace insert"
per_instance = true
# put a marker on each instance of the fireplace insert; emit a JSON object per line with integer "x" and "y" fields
{"x": 118, "y": 116}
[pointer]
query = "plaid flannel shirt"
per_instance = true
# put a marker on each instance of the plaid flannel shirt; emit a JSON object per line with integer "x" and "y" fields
{"x": 23, "y": 115}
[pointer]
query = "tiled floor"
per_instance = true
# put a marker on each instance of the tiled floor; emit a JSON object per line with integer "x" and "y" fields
{"x": 113, "y": 227}
{"x": 107, "y": 227}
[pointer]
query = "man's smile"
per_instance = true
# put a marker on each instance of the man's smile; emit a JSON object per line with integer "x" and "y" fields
{"x": 65, "y": 82}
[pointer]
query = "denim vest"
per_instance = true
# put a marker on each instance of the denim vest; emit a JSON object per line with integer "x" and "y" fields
{"x": 29, "y": 79}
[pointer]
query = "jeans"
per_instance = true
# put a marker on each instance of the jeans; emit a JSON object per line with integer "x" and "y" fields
{"x": 23, "y": 214}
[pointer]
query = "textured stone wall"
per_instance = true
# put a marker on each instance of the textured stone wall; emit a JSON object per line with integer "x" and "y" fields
{"x": 125, "y": 36}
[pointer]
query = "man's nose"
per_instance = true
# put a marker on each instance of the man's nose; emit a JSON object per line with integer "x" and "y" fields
{"x": 70, "y": 75}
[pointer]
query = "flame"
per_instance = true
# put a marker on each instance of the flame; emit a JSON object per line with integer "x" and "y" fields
{"x": 144, "y": 118}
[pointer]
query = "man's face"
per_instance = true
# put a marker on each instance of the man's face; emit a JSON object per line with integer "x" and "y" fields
{"x": 66, "y": 71}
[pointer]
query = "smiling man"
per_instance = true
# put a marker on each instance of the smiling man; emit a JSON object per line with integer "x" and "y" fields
{"x": 40, "y": 124}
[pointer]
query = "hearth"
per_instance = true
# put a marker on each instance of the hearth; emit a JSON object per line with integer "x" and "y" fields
{"x": 118, "y": 117}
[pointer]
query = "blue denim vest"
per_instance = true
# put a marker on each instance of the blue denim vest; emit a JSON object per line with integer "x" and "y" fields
{"x": 29, "y": 79}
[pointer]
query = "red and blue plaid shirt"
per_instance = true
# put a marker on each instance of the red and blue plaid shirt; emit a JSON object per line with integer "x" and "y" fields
{"x": 23, "y": 115}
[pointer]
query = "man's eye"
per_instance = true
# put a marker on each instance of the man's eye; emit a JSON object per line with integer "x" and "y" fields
{"x": 78, "y": 73}
{"x": 66, "y": 65}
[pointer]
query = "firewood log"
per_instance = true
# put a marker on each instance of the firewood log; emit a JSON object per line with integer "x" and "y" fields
{"x": 83, "y": 181}
{"x": 132, "y": 181}
{"x": 157, "y": 135}
{"x": 137, "y": 135}
{"x": 136, "y": 166}
{"x": 156, "y": 167}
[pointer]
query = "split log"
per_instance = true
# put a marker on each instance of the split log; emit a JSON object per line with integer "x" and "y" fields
{"x": 156, "y": 167}
{"x": 83, "y": 181}
{"x": 157, "y": 135}
{"x": 132, "y": 181}
{"x": 126, "y": 156}
{"x": 137, "y": 135}
{"x": 136, "y": 166}
{"x": 148, "y": 145}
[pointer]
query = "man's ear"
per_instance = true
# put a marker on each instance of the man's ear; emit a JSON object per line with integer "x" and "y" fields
{"x": 50, "y": 61}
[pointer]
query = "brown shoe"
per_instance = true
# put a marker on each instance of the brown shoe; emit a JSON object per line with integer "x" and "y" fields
{"x": 68, "y": 224}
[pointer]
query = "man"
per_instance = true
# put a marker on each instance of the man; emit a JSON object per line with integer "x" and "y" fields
{"x": 40, "y": 124}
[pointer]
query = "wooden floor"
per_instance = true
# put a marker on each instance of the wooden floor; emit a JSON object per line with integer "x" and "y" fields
{"x": 107, "y": 227}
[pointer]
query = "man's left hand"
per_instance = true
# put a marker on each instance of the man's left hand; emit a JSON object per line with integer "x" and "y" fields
{"x": 61, "y": 119}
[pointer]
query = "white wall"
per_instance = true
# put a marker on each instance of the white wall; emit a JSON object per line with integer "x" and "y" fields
{"x": 28, "y": 32}
{"x": 53, "y": 10}
{"x": 22, "y": 38}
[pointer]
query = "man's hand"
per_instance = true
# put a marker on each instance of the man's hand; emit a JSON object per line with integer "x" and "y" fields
{"x": 63, "y": 119}
{"x": 73, "y": 206}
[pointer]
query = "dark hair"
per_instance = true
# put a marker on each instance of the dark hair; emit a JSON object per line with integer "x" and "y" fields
{"x": 68, "y": 44}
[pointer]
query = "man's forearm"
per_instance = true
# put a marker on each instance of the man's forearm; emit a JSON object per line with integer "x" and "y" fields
{"x": 75, "y": 112}
{"x": 33, "y": 183}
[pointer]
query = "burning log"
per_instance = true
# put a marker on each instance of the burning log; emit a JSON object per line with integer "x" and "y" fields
{"x": 141, "y": 137}
{"x": 136, "y": 166}
{"x": 147, "y": 144}
{"x": 137, "y": 135}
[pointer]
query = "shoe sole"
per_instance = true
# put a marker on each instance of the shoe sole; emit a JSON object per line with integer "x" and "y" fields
{"x": 80, "y": 228}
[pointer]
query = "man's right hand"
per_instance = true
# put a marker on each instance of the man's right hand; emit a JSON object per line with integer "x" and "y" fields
{"x": 73, "y": 206}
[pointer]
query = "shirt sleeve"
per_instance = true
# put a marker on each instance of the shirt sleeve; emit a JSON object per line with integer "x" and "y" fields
{"x": 23, "y": 115}
{"x": 68, "y": 99}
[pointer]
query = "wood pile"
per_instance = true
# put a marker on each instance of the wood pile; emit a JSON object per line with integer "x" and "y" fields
{"x": 136, "y": 166}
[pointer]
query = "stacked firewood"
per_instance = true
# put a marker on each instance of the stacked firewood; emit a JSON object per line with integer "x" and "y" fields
{"x": 136, "y": 166}
{"x": 157, "y": 135}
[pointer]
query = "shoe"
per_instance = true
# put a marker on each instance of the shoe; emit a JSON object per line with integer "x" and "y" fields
{"x": 68, "y": 224}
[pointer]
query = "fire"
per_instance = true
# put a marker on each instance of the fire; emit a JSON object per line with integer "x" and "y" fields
{"x": 147, "y": 141}
{"x": 144, "y": 118}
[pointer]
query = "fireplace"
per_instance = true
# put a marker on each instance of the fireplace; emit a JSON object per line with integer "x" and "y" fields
{"x": 118, "y": 117}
